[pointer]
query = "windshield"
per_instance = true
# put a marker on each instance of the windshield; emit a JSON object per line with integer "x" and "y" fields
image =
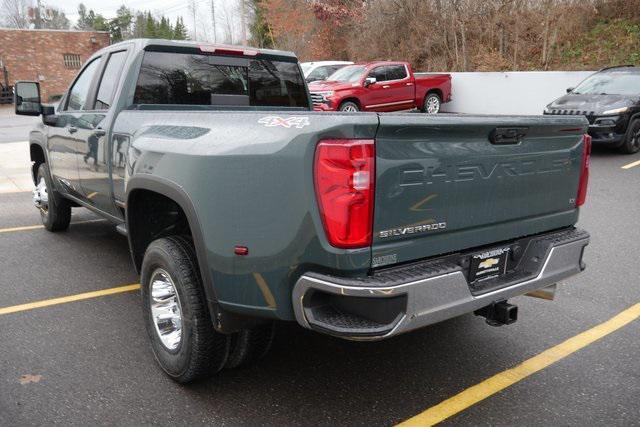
{"x": 352, "y": 74}
{"x": 610, "y": 84}
{"x": 306, "y": 67}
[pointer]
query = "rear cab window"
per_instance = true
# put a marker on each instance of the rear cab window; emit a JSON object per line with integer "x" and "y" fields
{"x": 198, "y": 79}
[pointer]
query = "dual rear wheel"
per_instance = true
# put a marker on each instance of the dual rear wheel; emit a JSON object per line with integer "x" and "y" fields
{"x": 183, "y": 339}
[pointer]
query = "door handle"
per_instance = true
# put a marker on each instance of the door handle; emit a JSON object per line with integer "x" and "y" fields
{"x": 386, "y": 87}
{"x": 508, "y": 136}
{"x": 73, "y": 129}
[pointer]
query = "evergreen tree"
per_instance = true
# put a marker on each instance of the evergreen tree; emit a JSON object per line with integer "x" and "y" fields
{"x": 128, "y": 24}
{"x": 165, "y": 31}
{"x": 260, "y": 32}
{"x": 150, "y": 26}
{"x": 89, "y": 20}
{"x": 120, "y": 26}
{"x": 139, "y": 25}
{"x": 180, "y": 31}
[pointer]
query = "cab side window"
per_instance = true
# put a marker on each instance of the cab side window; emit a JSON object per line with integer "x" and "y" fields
{"x": 396, "y": 72}
{"x": 380, "y": 73}
{"x": 79, "y": 93}
{"x": 110, "y": 79}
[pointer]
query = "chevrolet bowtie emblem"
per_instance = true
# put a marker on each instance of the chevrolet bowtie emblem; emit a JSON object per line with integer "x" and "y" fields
{"x": 488, "y": 263}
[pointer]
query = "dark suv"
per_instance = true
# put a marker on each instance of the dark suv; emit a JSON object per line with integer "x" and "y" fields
{"x": 610, "y": 99}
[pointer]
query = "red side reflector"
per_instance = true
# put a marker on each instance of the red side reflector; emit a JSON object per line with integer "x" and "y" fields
{"x": 227, "y": 50}
{"x": 241, "y": 250}
{"x": 584, "y": 172}
{"x": 345, "y": 188}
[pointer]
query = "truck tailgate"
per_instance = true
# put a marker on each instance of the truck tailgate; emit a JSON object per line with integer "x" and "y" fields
{"x": 442, "y": 185}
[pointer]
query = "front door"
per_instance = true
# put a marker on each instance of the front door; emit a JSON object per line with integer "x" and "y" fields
{"x": 375, "y": 94}
{"x": 67, "y": 138}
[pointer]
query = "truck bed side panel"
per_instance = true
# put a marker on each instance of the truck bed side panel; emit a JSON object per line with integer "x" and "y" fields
{"x": 249, "y": 176}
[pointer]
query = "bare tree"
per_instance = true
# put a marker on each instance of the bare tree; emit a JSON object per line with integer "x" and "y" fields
{"x": 13, "y": 13}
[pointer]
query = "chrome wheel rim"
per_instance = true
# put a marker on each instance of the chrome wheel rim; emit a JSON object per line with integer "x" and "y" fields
{"x": 166, "y": 311}
{"x": 41, "y": 196}
{"x": 350, "y": 108}
{"x": 433, "y": 105}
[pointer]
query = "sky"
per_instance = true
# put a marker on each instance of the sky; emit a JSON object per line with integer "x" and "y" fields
{"x": 227, "y": 14}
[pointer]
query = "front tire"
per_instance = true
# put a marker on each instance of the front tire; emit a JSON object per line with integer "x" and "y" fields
{"x": 176, "y": 313}
{"x": 55, "y": 210}
{"x": 349, "y": 107}
{"x": 631, "y": 144}
{"x": 432, "y": 103}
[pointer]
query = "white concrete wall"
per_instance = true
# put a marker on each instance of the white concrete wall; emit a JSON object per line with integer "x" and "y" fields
{"x": 511, "y": 92}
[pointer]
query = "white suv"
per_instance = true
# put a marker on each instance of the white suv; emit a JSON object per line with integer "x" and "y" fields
{"x": 321, "y": 70}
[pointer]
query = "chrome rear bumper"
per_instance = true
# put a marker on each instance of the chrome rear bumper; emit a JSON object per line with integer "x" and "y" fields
{"x": 373, "y": 308}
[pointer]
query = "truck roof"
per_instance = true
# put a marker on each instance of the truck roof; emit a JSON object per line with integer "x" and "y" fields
{"x": 142, "y": 44}
{"x": 376, "y": 63}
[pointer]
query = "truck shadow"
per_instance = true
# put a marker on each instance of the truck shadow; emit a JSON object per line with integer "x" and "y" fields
{"x": 364, "y": 383}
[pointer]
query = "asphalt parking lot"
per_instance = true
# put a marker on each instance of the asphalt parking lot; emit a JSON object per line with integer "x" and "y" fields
{"x": 86, "y": 360}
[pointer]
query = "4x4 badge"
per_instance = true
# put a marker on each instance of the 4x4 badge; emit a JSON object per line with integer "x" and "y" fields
{"x": 297, "y": 122}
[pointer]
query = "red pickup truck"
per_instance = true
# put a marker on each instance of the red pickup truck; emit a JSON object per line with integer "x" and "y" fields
{"x": 381, "y": 86}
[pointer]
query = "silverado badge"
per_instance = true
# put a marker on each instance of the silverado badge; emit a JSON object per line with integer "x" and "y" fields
{"x": 412, "y": 230}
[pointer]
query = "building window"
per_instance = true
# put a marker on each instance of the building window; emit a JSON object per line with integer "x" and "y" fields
{"x": 72, "y": 61}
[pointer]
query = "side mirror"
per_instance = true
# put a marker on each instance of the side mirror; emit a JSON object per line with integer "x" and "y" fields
{"x": 570, "y": 89}
{"x": 49, "y": 117}
{"x": 369, "y": 81}
{"x": 26, "y": 98}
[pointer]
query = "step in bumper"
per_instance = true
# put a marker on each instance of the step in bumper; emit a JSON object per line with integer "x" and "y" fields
{"x": 402, "y": 299}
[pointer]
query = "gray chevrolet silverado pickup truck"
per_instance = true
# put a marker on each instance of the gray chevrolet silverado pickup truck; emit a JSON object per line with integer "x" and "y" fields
{"x": 242, "y": 206}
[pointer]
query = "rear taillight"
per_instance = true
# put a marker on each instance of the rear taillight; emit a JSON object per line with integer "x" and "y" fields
{"x": 344, "y": 178}
{"x": 584, "y": 171}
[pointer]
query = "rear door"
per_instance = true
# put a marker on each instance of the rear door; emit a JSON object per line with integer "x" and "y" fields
{"x": 398, "y": 88}
{"x": 443, "y": 186}
{"x": 94, "y": 167}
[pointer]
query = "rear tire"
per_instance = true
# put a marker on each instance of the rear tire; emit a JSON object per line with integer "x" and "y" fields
{"x": 349, "y": 107}
{"x": 250, "y": 345}
{"x": 432, "y": 103}
{"x": 55, "y": 210}
{"x": 631, "y": 144}
{"x": 175, "y": 301}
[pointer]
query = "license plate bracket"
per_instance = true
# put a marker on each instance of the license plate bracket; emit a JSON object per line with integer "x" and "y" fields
{"x": 488, "y": 265}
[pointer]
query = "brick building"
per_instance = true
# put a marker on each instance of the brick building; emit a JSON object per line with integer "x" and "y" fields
{"x": 52, "y": 57}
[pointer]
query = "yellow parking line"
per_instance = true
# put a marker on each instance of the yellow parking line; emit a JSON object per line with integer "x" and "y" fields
{"x": 38, "y": 227}
{"x": 67, "y": 299}
{"x": 631, "y": 165}
{"x": 29, "y": 227}
{"x": 501, "y": 381}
